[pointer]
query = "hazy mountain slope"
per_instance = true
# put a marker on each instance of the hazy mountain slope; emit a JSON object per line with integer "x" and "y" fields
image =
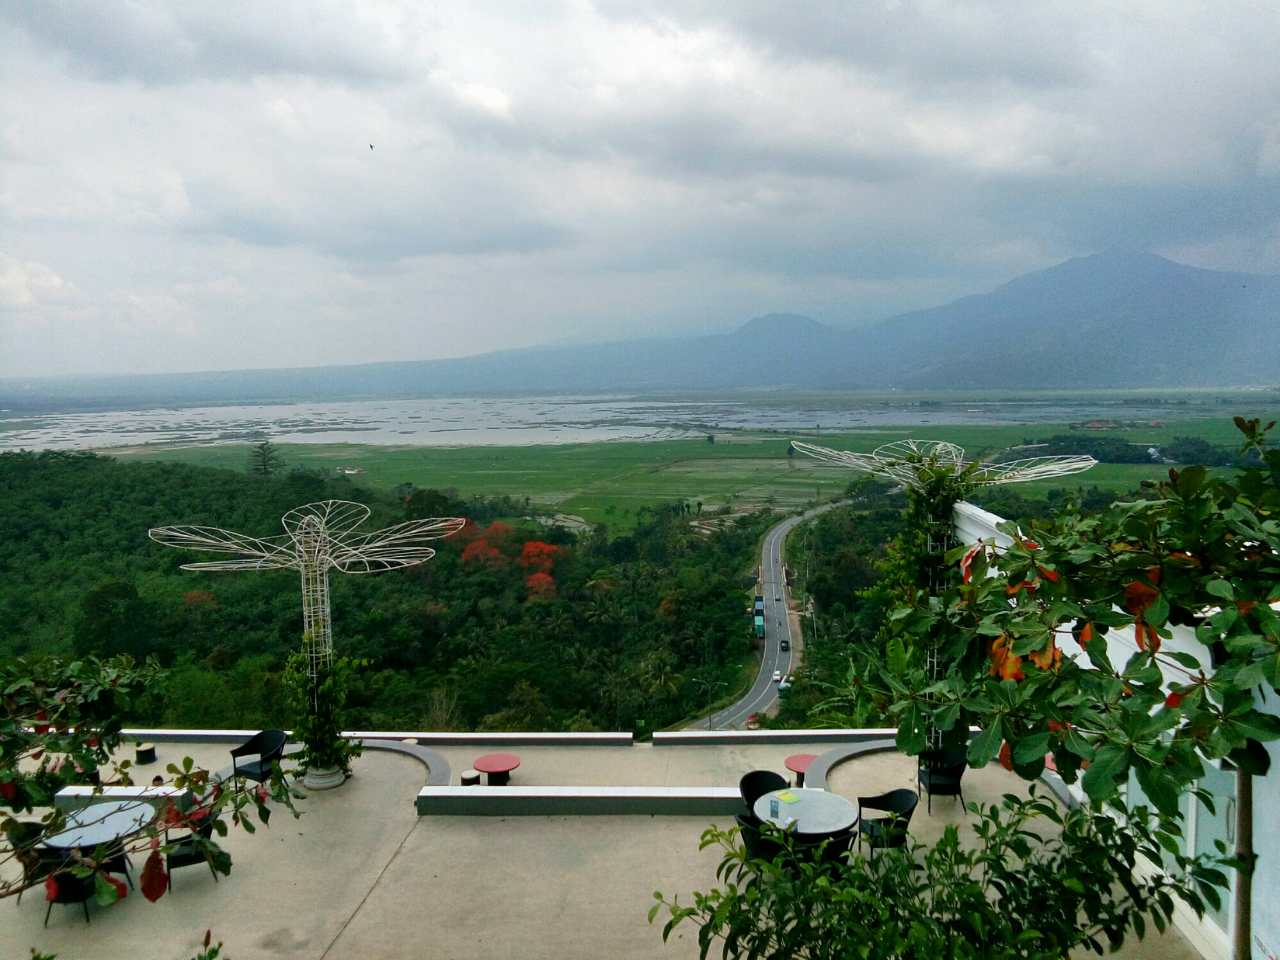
{"x": 1110, "y": 320}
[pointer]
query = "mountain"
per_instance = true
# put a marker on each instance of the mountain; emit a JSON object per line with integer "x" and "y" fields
{"x": 1126, "y": 319}
{"x": 1109, "y": 320}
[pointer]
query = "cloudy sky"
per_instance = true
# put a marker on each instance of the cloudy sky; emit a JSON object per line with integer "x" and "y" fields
{"x": 190, "y": 186}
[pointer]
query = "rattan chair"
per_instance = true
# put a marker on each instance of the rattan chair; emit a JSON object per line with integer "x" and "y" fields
{"x": 886, "y": 832}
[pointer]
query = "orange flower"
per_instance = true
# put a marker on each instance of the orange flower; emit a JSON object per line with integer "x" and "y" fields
{"x": 1173, "y": 700}
{"x": 1050, "y": 575}
{"x": 1006, "y": 757}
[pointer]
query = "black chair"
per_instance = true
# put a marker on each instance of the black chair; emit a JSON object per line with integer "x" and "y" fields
{"x": 938, "y": 772}
{"x": 268, "y": 745}
{"x": 71, "y": 889}
{"x": 759, "y": 847}
{"x": 37, "y": 861}
{"x": 189, "y": 852}
{"x": 886, "y": 832}
{"x": 756, "y": 784}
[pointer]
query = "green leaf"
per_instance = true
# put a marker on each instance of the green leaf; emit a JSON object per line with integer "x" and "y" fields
{"x": 896, "y": 654}
{"x": 911, "y": 736}
{"x": 1030, "y": 749}
{"x": 1108, "y": 763}
{"x": 984, "y": 746}
{"x": 104, "y": 891}
{"x": 1220, "y": 588}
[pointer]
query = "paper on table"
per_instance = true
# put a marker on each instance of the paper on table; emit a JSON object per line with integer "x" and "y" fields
{"x": 788, "y": 796}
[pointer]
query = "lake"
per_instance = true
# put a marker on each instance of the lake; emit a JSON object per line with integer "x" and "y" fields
{"x": 515, "y": 421}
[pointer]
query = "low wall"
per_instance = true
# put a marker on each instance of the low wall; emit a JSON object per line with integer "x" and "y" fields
{"x": 579, "y": 801}
{"x": 425, "y": 738}
{"x": 724, "y": 738}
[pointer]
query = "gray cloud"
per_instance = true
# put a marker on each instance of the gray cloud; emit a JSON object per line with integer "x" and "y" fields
{"x": 187, "y": 186}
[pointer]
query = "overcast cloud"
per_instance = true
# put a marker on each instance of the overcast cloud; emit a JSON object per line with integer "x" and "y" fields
{"x": 190, "y": 186}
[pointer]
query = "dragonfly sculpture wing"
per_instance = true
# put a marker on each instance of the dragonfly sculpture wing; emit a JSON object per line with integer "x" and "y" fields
{"x": 1032, "y": 468}
{"x": 269, "y": 554}
{"x": 400, "y": 546}
{"x": 866, "y": 462}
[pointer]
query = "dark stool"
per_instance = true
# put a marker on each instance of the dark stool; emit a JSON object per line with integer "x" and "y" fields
{"x": 146, "y": 753}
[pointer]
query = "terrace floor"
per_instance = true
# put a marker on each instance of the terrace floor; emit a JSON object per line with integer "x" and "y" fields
{"x": 361, "y": 877}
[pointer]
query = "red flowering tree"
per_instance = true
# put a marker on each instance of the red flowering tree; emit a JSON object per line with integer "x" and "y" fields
{"x": 541, "y": 586}
{"x": 538, "y": 557}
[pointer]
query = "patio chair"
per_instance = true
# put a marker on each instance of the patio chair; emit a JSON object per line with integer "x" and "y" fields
{"x": 938, "y": 772}
{"x": 759, "y": 847}
{"x": 187, "y": 854}
{"x": 268, "y": 745}
{"x": 71, "y": 889}
{"x": 37, "y": 861}
{"x": 756, "y": 784}
{"x": 887, "y": 832}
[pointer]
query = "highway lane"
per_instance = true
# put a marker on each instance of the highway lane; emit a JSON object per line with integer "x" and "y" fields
{"x": 777, "y": 625}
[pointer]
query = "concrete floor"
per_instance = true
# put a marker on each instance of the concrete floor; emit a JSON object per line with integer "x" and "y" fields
{"x": 359, "y": 875}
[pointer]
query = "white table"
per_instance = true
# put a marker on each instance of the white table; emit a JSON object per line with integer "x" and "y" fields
{"x": 816, "y": 813}
{"x": 102, "y": 823}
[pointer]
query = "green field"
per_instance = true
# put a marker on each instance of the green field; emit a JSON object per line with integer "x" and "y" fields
{"x": 607, "y": 482}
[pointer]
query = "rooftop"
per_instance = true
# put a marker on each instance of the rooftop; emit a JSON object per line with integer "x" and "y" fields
{"x": 361, "y": 876}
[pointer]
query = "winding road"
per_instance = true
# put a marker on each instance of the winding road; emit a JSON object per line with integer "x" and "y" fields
{"x": 777, "y": 626}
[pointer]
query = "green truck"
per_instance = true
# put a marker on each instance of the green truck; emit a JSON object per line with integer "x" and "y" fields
{"x": 759, "y": 626}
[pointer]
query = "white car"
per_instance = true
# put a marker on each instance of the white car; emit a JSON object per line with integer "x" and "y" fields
{"x": 777, "y": 676}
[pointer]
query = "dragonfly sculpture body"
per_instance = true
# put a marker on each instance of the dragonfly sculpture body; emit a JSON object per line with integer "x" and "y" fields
{"x": 318, "y": 537}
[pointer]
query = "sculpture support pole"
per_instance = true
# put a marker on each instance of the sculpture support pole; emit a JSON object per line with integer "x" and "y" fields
{"x": 316, "y": 622}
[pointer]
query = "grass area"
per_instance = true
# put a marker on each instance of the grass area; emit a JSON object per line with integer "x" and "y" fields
{"x": 608, "y": 482}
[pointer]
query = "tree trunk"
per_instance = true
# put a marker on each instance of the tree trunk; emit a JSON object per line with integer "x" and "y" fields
{"x": 1242, "y": 931}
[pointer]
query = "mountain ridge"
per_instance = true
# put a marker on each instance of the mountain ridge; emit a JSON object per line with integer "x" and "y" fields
{"x": 1118, "y": 319}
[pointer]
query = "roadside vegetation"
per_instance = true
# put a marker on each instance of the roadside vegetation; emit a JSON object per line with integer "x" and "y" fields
{"x": 512, "y": 626}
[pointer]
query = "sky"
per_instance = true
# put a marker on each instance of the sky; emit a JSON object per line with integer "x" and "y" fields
{"x": 227, "y": 185}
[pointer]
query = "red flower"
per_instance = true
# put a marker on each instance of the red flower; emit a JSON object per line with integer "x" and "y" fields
{"x": 1050, "y": 575}
{"x": 1003, "y": 663}
{"x": 1057, "y": 727}
{"x": 50, "y": 888}
{"x": 8, "y": 789}
{"x": 537, "y": 557}
{"x": 1173, "y": 700}
{"x": 968, "y": 559}
{"x": 1006, "y": 757}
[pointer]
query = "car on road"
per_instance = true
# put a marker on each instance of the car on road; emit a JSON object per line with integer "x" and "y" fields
{"x": 785, "y": 645}
{"x": 779, "y": 599}
{"x": 785, "y": 684}
{"x": 777, "y": 676}
{"x": 752, "y": 723}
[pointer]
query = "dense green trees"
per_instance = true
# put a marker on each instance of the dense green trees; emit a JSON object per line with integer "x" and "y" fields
{"x": 509, "y": 625}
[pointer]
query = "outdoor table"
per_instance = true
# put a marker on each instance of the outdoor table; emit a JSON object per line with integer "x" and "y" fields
{"x": 798, "y": 763}
{"x": 498, "y": 766}
{"x": 102, "y": 823}
{"x": 816, "y": 812}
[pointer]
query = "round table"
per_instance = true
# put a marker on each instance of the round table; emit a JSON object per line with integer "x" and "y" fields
{"x": 102, "y": 823}
{"x": 816, "y": 813}
{"x": 798, "y": 763}
{"x": 498, "y": 766}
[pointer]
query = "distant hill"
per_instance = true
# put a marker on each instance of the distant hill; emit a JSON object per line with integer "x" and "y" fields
{"x": 1126, "y": 319}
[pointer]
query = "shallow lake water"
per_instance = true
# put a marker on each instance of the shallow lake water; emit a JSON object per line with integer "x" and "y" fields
{"x": 508, "y": 422}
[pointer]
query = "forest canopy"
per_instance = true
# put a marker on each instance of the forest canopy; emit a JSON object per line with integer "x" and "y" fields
{"x": 512, "y": 625}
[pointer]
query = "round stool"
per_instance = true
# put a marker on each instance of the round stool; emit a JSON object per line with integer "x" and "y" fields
{"x": 146, "y": 753}
{"x": 470, "y": 778}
